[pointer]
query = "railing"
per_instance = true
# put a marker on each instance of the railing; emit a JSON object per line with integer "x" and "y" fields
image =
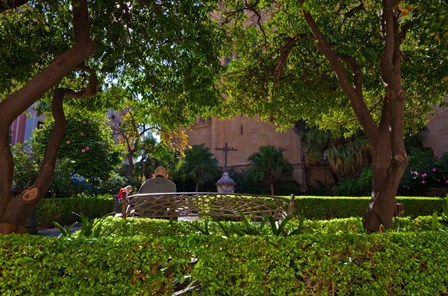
{"x": 208, "y": 204}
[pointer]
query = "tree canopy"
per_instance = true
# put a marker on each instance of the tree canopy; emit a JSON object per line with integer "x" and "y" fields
{"x": 342, "y": 66}
{"x": 163, "y": 55}
{"x": 280, "y": 74}
{"x": 198, "y": 165}
{"x": 269, "y": 164}
{"x": 85, "y": 142}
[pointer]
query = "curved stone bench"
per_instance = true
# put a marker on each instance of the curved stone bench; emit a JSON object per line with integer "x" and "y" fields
{"x": 225, "y": 206}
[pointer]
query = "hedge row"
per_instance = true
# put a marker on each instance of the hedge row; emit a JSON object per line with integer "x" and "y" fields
{"x": 159, "y": 228}
{"x": 311, "y": 207}
{"x": 329, "y": 207}
{"x": 61, "y": 210}
{"x": 348, "y": 264}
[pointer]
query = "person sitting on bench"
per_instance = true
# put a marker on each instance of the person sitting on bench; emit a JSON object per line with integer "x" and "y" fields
{"x": 159, "y": 183}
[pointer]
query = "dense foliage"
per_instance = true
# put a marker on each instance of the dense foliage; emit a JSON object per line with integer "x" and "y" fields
{"x": 163, "y": 55}
{"x": 25, "y": 169}
{"x": 344, "y": 67}
{"x": 86, "y": 141}
{"x": 281, "y": 74}
{"x": 358, "y": 264}
{"x": 199, "y": 166}
{"x": 269, "y": 166}
{"x": 426, "y": 176}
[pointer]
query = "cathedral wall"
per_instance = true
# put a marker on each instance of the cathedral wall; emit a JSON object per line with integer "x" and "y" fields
{"x": 436, "y": 134}
{"x": 246, "y": 135}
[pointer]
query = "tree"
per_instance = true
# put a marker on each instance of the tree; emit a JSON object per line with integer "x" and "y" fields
{"x": 270, "y": 165}
{"x": 85, "y": 141}
{"x": 345, "y": 156}
{"x": 340, "y": 65}
{"x": 132, "y": 133}
{"x": 15, "y": 210}
{"x": 25, "y": 170}
{"x": 163, "y": 53}
{"x": 198, "y": 165}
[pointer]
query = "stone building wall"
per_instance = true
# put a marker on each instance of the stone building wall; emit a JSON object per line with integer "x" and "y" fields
{"x": 246, "y": 135}
{"x": 436, "y": 134}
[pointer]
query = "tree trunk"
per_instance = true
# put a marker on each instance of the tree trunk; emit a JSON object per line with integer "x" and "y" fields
{"x": 389, "y": 158}
{"x": 388, "y": 149}
{"x": 130, "y": 168}
{"x": 15, "y": 210}
{"x": 197, "y": 185}
{"x": 387, "y": 172}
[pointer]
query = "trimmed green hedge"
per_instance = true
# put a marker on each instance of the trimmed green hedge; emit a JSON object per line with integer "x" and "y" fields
{"x": 119, "y": 227}
{"x": 61, "y": 210}
{"x": 330, "y": 207}
{"x": 311, "y": 207}
{"x": 347, "y": 264}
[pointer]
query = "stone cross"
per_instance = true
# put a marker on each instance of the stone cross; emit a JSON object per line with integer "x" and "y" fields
{"x": 226, "y": 149}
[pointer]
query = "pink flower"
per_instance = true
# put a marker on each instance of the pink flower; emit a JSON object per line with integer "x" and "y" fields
{"x": 83, "y": 150}
{"x": 416, "y": 173}
{"x": 424, "y": 175}
{"x": 434, "y": 169}
{"x": 87, "y": 148}
{"x": 423, "y": 182}
{"x": 68, "y": 142}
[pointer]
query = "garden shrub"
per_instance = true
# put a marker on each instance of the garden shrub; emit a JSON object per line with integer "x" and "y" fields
{"x": 329, "y": 207}
{"x": 310, "y": 207}
{"x": 426, "y": 174}
{"x": 360, "y": 185}
{"x": 61, "y": 209}
{"x": 160, "y": 228}
{"x": 313, "y": 264}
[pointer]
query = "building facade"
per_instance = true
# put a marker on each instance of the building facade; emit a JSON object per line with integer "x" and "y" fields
{"x": 246, "y": 135}
{"x": 23, "y": 126}
{"x": 435, "y": 136}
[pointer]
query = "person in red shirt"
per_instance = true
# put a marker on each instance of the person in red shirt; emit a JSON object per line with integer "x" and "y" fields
{"x": 121, "y": 198}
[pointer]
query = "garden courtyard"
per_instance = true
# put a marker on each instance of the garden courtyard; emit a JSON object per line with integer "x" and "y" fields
{"x": 297, "y": 138}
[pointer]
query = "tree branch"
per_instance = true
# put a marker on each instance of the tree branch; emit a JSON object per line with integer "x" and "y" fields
{"x": 357, "y": 102}
{"x": 358, "y": 77}
{"x": 285, "y": 51}
{"x": 354, "y": 10}
{"x": 64, "y": 64}
{"x": 46, "y": 170}
{"x": 389, "y": 60}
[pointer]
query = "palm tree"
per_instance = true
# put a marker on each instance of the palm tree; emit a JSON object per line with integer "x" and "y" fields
{"x": 345, "y": 156}
{"x": 270, "y": 165}
{"x": 199, "y": 165}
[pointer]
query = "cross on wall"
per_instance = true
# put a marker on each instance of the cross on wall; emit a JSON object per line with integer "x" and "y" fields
{"x": 226, "y": 149}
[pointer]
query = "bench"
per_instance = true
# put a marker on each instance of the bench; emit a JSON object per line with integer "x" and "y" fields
{"x": 222, "y": 206}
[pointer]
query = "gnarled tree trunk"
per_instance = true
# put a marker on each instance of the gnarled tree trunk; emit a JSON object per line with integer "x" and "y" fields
{"x": 15, "y": 210}
{"x": 389, "y": 158}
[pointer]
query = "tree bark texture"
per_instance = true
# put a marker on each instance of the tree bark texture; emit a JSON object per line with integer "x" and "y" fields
{"x": 16, "y": 209}
{"x": 386, "y": 139}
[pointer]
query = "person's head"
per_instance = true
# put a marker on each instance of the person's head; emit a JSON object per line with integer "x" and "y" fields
{"x": 128, "y": 188}
{"x": 161, "y": 171}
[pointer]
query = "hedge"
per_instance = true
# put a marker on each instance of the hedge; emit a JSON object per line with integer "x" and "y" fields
{"x": 330, "y": 264}
{"x": 311, "y": 207}
{"x": 61, "y": 210}
{"x": 119, "y": 227}
{"x": 329, "y": 207}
